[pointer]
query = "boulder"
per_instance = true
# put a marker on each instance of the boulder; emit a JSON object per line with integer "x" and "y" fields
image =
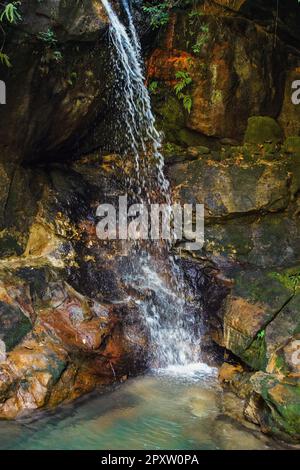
{"x": 250, "y": 311}
{"x": 270, "y": 401}
{"x": 279, "y": 412}
{"x": 250, "y": 201}
{"x": 262, "y": 129}
{"x": 228, "y": 189}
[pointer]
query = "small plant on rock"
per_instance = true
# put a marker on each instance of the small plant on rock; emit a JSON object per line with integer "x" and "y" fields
{"x": 183, "y": 81}
{"x": 9, "y": 13}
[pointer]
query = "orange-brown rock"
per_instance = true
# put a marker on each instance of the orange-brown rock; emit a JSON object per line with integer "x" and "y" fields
{"x": 75, "y": 345}
{"x": 228, "y": 371}
{"x": 214, "y": 47}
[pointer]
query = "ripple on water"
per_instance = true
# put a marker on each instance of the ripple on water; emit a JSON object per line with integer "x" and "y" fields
{"x": 164, "y": 410}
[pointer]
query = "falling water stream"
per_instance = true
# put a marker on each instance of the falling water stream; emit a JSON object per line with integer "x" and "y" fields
{"x": 174, "y": 338}
{"x": 134, "y": 120}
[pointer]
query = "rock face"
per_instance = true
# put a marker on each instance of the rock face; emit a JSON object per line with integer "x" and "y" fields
{"x": 225, "y": 150}
{"x": 57, "y": 71}
{"x": 250, "y": 195}
{"x": 63, "y": 323}
{"x": 233, "y": 70}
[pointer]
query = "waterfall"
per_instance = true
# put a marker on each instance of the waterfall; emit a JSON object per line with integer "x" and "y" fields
{"x": 174, "y": 337}
{"x": 137, "y": 123}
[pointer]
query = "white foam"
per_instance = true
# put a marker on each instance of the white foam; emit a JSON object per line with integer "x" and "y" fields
{"x": 193, "y": 371}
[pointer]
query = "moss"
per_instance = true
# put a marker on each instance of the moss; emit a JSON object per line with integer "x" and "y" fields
{"x": 270, "y": 151}
{"x": 170, "y": 112}
{"x": 191, "y": 138}
{"x": 203, "y": 150}
{"x": 262, "y": 288}
{"x": 14, "y": 325}
{"x": 217, "y": 97}
{"x": 281, "y": 365}
{"x": 290, "y": 278}
{"x": 284, "y": 401}
{"x": 292, "y": 145}
{"x": 230, "y": 239}
{"x": 256, "y": 355}
{"x": 263, "y": 129}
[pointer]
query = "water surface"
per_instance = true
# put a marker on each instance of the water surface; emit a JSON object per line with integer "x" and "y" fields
{"x": 173, "y": 409}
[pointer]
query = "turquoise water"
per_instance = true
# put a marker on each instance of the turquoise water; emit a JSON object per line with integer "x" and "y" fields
{"x": 164, "y": 411}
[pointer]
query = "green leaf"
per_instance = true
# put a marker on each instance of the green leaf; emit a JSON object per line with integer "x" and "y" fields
{"x": 4, "y": 59}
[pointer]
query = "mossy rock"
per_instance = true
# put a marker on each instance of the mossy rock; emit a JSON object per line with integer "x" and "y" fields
{"x": 14, "y": 325}
{"x": 265, "y": 234}
{"x": 282, "y": 399}
{"x": 255, "y": 301}
{"x": 191, "y": 138}
{"x": 292, "y": 145}
{"x": 231, "y": 239}
{"x": 261, "y": 286}
{"x": 262, "y": 129}
{"x": 170, "y": 116}
{"x": 171, "y": 112}
{"x": 256, "y": 355}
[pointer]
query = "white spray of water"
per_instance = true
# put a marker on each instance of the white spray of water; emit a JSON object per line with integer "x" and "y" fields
{"x": 174, "y": 339}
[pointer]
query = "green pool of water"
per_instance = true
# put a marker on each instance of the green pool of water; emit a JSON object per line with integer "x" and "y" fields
{"x": 163, "y": 411}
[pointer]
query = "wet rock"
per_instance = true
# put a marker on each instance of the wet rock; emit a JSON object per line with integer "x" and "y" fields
{"x": 228, "y": 371}
{"x": 81, "y": 333}
{"x": 72, "y": 348}
{"x": 282, "y": 339}
{"x": 233, "y": 407}
{"x": 262, "y": 328}
{"x": 254, "y": 303}
{"x": 282, "y": 400}
{"x": 14, "y": 325}
{"x": 81, "y": 23}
